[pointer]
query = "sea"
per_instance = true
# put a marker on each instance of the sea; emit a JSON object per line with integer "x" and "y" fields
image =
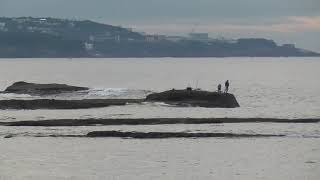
{"x": 264, "y": 87}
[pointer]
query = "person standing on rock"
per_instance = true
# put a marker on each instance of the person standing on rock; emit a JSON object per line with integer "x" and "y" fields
{"x": 226, "y": 84}
{"x": 219, "y": 88}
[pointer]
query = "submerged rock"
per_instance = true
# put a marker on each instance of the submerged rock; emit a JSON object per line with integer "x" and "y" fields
{"x": 107, "y": 122}
{"x": 64, "y": 104}
{"x": 195, "y": 98}
{"x": 9, "y": 136}
{"x": 150, "y": 121}
{"x": 153, "y": 135}
{"x": 41, "y": 89}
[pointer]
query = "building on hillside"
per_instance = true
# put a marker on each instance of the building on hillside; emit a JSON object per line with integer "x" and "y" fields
{"x": 2, "y": 26}
{"x": 130, "y": 29}
{"x": 174, "y": 38}
{"x": 289, "y": 46}
{"x": 153, "y": 38}
{"x": 221, "y": 39}
{"x": 20, "y": 20}
{"x": 101, "y": 37}
{"x": 199, "y": 36}
{"x": 142, "y": 33}
{"x": 31, "y": 29}
{"x": 117, "y": 38}
{"x": 88, "y": 46}
{"x": 42, "y": 21}
{"x": 72, "y": 24}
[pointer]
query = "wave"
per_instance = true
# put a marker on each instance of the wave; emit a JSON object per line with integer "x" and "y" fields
{"x": 6, "y": 96}
{"x": 93, "y": 93}
{"x": 159, "y": 104}
{"x": 116, "y": 93}
{"x": 107, "y": 92}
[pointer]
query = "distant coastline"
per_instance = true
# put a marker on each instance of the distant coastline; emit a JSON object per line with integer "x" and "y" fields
{"x": 27, "y": 37}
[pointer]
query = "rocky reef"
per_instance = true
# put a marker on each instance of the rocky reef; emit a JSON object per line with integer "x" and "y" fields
{"x": 189, "y": 97}
{"x": 64, "y": 104}
{"x": 157, "y": 135}
{"x": 152, "y": 135}
{"x": 184, "y": 97}
{"x": 22, "y": 87}
{"x": 150, "y": 121}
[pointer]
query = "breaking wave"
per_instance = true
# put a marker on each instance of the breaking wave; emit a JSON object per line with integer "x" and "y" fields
{"x": 7, "y": 96}
{"x": 116, "y": 93}
{"x": 108, "y": 92}
{"x": 94, "y": 93}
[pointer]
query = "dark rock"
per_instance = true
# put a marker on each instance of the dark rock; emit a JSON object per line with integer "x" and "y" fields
{"x": 9, "y": 136}
{"x": 63, "y": 104}
{"x": 41, "y": 89}
{"x": 195, "y": 98}
{"x": 310, "y": 162}
{"x": 153, "y": 135}
{"x": 151, "y": 121}
{"x": 94, "y": 122}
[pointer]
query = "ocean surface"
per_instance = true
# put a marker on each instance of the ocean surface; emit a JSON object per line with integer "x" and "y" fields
{"x": 264, "y": 87}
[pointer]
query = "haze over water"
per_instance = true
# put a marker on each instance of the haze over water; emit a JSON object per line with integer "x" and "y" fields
{"x": 264, "y": 87}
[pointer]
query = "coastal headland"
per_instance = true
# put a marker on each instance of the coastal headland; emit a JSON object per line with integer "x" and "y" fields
{"x": 28, "y": 37}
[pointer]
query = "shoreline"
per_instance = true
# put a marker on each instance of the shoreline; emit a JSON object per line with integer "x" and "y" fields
{"x": 152, "y": 121}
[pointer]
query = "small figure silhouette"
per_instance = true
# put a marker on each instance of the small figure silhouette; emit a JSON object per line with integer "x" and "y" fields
{"x": 226, "y": 84}
{"x": 219, "y": 88}
{"x": 189, "y": 88}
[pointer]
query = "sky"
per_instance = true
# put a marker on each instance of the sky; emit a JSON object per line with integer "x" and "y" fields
{"x": 285, "y": 21}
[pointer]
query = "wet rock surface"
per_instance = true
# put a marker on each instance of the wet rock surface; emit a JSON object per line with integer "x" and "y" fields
{"x": 41, "y": 89}
{"x": 157, "y": 135}
{"x": 189, "y": 97}
{"x": 64, "y": 104}
{"x": 94, "y": 122}
{"x": 151, "y": 121}
{"x": 153, "y": 135}
{"x": 8, "y": 136}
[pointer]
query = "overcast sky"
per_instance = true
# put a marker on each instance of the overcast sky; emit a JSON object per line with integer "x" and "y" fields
{"x": 285, "y": 21}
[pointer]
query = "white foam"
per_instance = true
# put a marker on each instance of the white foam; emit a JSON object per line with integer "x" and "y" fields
{"x": 159, "y": 104}
{"x": 5, "y": 96}
{"x": 116, "y": 93}
{"x": 107, "y": 92}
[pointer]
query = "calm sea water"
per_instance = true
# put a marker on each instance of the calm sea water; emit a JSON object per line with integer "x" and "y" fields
{"x": 264, "y": 87}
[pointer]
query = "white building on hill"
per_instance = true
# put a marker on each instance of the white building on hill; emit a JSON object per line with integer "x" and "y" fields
{"x": 199, "y": 36}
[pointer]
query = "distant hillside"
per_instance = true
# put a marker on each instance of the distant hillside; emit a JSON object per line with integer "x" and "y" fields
{"x": 26, "y": 44}
{"x": 69, "y": 29}
{"x": 51, "y": 37}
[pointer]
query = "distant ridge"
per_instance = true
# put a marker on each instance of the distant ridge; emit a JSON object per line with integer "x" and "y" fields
{"x": 28, "y": 37}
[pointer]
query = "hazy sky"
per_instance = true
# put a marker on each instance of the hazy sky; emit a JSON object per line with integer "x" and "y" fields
{"x": 286, "y": 21}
